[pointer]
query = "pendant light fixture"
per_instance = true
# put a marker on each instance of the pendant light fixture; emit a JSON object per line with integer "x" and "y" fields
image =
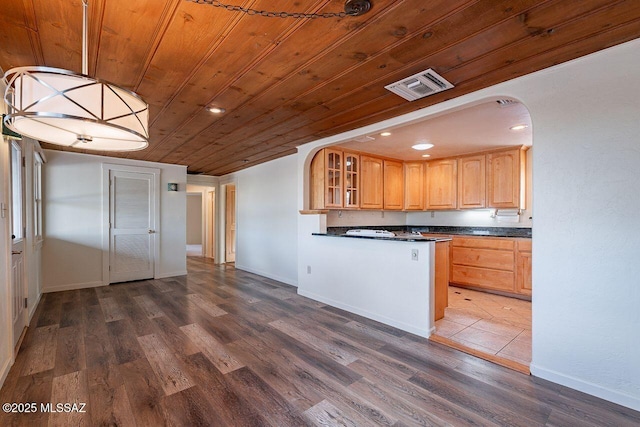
{"x": 74, "y": 110}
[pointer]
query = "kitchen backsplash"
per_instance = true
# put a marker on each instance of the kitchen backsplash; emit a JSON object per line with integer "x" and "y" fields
{"x": 347, "y": 218}
{"x": 468, "y": 218}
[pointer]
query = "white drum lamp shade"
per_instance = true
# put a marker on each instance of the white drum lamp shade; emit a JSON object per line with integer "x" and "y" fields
{"x": 74, "y": 110}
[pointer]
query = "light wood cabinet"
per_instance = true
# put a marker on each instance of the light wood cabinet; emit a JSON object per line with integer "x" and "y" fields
{"x": 348, "y": 180}
{"x": 492, "y": 263}
{"x": 414, "y": 186}
{"x": 442, "y": 184}
{"x": 351, "y": 180}
{"x": 371, "y": 182}
{"x": 523, "y": 267}
{"x": 483, "y": 262}
{"x": 393, "y": 185}
{"x": 506, "y": 179}
{"x": 335, "y": 180}
{"x": 441, "y": 284}
{"x": 472, "y": 182}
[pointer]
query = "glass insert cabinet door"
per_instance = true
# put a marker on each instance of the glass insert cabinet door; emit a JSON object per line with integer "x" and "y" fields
{"x": 352, "y": 180}
{"x": 334, "y": 179}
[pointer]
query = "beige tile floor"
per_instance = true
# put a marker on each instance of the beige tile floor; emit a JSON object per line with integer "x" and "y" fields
{"x": 489, "y": 323}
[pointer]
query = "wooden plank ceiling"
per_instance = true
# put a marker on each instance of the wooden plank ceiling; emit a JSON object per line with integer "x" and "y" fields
{"x": 286, "y": 82}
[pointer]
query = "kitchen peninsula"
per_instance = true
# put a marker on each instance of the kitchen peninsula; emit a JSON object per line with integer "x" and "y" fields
{"x": 388, "y": 279}
{"x": 391, "y": 279}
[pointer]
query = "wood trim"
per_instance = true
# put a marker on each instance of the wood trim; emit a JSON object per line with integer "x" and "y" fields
{"x": 313, "y": 211}
{"x": 524, "y": 369}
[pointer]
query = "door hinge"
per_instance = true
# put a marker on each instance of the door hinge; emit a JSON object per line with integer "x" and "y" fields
{"x": 26, "y": 301}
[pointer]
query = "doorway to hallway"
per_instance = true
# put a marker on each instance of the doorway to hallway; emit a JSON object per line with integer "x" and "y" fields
{"x": 230, "y": 224}
{"x": 132, "y": 223}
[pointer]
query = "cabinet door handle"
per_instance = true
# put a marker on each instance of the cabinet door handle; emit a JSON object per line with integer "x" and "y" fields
{"x": 16, "y": 252}
{"x": 152, "y": 231}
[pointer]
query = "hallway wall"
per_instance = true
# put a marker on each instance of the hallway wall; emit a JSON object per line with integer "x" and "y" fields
{"x": 73, "y": 223}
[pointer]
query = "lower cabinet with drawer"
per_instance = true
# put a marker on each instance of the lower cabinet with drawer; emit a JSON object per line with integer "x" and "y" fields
{"x": 491, "y": 263}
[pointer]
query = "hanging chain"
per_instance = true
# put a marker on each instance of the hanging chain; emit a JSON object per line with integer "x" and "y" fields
{"x": 269, "y": 14}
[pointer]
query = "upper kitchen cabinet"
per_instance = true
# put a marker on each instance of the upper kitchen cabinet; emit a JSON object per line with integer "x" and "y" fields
{"x": 351, "y": 180}
{"x": 414, "y": 190}
{"x": 441, "y": 184}
{"x": 393, "y": 185}
{"x": 471, "y": 182}
{"x": 326, "y": 179}
{"x": 506, "y": 179}
{"x": 372, "y": 183}
{"x": 335, "y": 180}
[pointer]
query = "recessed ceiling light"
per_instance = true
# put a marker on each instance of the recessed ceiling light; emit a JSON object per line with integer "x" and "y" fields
{"x": 422, "y": 146}
{"x": 426, "y": 155}
{"x": 385, "y": 134}
{"x": 519, "y": 127}
{"x": 216, "y": 110}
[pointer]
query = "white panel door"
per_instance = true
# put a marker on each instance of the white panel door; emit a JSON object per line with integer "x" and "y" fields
{"x": 132, "y": 230}
{"x": 18, "y": 309}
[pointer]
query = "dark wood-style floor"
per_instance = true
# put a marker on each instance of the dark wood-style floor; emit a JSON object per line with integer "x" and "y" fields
{"x": 225, "y": 347}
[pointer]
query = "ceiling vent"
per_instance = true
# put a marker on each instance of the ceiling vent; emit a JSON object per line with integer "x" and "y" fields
{"x": 419, "y": 85}
{"x": 506, "y": 102}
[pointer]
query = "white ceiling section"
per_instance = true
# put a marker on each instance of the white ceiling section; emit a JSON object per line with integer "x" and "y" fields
{"x": 482, "y": 127}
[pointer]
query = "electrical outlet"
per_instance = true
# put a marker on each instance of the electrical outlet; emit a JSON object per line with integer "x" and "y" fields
{"x": 308, "y": 269}
{"x": 414, "y": 254}
{"x": 433, "y": 214}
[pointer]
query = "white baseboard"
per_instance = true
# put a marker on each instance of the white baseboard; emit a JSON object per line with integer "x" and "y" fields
{"x": 71, "y": 287}
{"x": 32, "y": 309}
{"x": 4, "y": 371}
{"x": 355, "y": 310}
{"x": 285, "y": 280}
{"x": 171, "y": 274}
{"x": 596, "y": 390}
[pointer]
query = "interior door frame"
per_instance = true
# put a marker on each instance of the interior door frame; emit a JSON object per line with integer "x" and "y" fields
{"x": 106, "y": 171}
{"x": 210, "y": 229}
{"x": 227, "y": 204}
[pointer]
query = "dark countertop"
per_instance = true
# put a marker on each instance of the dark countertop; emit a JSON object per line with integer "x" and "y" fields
{"x": 404, "y": 237}
{"x": 448, "y": 230}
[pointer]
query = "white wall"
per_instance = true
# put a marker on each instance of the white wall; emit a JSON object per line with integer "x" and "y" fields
{"x": 586, "y": 291}
{"x": 266, "y": 224}
{"x": 73, "y": 223}
{"x": 194, "y": 219}
{"x": 586, "y": 318}
{"x": 373, "y": 278}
